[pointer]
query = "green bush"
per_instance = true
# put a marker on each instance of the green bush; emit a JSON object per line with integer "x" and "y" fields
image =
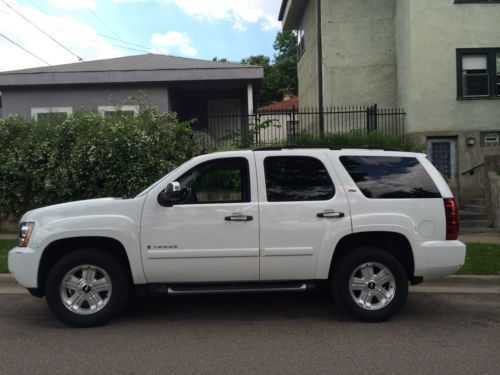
{"x": 87, "y": 156}
{"x": 347, "y": 140}
{"x": 354, "y": 139}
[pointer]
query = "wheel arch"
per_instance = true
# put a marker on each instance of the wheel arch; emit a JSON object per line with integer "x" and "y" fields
{"x": 393, "y": 243}
{"x": 61, "y": 247}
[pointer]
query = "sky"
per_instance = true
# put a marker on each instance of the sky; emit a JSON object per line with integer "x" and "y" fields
{"x": 64, "y": 31}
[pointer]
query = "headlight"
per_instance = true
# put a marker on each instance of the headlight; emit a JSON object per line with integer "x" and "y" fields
{"x": 24, "y": 234}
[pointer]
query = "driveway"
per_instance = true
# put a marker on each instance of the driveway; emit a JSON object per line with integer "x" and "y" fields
{"x": 256, "y": 334}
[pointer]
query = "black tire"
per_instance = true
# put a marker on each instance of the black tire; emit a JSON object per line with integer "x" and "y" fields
{"x": 95, "y": 257}
{"x": 346, "y": 299}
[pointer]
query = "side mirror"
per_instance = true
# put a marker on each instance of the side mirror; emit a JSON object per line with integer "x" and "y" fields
{"x": 171, "y": 195}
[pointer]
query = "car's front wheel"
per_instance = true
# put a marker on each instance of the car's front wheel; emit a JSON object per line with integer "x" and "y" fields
{"x": 86, "y": 288}
{"x": 370, "y": 284}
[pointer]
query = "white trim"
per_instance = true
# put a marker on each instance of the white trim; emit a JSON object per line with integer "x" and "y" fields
{"x": 250, "y": 98}
{"x": 36, "y": 110}
{"x": 113, "y": 108}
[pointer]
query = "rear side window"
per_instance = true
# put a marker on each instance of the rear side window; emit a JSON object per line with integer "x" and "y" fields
{"x": 297, "y": 178}
{"x": 390, "y": 177}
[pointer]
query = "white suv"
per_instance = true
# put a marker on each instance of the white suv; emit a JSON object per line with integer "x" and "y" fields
{"x": 365, "y": 222}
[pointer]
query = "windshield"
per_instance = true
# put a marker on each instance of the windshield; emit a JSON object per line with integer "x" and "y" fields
{"x": 148, "y": 189}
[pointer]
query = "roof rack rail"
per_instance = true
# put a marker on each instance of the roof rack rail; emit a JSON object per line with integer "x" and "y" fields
{"x": 290, "y": 147}
{"x": 378, "y": 147}
{"x": 277, "y": 148}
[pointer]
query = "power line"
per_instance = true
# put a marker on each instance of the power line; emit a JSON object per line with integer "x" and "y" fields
{"x": 124, "y": 41}
{"x": 132, "y": 49}
{"x": 118, "y": 39}
{"x": 102, "y": 21}
{"x": 24, "y": 49}
{"x": 42, "y": 31}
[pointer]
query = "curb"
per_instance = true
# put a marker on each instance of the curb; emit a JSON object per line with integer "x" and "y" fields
{"x": 456, "y": 284}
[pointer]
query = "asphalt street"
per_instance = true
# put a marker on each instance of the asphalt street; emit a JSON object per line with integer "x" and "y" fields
{"x": 256, "y": 334}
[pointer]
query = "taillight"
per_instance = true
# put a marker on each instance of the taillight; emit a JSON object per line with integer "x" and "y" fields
{"x": 451, "y": 212}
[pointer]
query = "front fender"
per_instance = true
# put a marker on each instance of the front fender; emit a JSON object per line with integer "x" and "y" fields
{"x": 120, "y": 228}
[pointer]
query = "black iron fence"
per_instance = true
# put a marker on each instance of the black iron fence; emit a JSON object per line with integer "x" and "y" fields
{"x": 294, "y": 126}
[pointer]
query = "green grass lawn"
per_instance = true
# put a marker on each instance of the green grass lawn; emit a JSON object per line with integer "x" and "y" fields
{"x": 5, "y": 246}
{"x": 481, "y": 259}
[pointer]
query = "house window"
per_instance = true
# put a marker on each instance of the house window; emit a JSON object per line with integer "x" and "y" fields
{"x": 112, "y": 111}
{"x": 301, "y": 45}
{"x": 475, "y": 1}
{"x": 51, "y": 113}
{"x": 478, "y": 73}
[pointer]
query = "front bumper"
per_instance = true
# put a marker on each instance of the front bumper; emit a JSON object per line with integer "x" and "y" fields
{"x": 443, "y": 258}
{"x": 23, "y": 265}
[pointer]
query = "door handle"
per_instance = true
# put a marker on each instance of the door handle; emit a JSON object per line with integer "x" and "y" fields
{"x": 330, "y": 214}
{"x": 238, "y": 217}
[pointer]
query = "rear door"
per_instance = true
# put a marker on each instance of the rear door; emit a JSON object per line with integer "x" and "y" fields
{"x": 303, "y": 210}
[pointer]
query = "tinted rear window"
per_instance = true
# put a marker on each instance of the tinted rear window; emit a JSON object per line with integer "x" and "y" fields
{"x": 390, "y": 177}
{"x": 297, "y": 178}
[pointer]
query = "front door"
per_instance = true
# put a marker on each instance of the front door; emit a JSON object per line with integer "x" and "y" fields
{"x": 211, "y": 235}
{"x": 442, "y": 153}
{"x": 224, "y": 121}
{"x": 303, "y": 212}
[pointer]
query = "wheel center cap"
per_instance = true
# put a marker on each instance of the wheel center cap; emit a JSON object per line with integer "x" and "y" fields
{"x": 86, "y": 288}
{"x": 371, "y": 285}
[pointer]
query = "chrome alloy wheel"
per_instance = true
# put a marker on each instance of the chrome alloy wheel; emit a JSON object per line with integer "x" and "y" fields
{"x": 372, "y": 286}
{"x": 86, "y": 289}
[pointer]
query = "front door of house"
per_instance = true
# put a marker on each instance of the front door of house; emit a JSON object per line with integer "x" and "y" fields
{"x": 224, "y": 121}
{"x": 442, "y": 152}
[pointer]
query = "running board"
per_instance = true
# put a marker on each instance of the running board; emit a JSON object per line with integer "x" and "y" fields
{"x": 221, "y": 289}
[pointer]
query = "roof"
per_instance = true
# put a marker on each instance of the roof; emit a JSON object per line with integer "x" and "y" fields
{"x": 282, "y": 10}
{"x": 139, "y": 68}
{"x": 291, "y": 13}
{"x": 284, "y": 105}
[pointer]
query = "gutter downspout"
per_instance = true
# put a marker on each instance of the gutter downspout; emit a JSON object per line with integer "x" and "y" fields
{"x": 320, "y": 68}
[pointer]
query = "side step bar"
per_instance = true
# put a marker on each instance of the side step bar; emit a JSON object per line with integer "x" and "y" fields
{"x": 220, "y": 289}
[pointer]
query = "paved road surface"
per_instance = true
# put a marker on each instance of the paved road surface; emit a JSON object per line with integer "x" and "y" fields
{"x": 256, "y": 334}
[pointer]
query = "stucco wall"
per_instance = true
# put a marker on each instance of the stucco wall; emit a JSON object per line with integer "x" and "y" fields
{"x": 21, "y": 100}
{"x": 437, "y": 29}
{"x": 307, "y": 68}
{"x": 494, "y": 182}
{"x": 402, "y": 30}
{"x": 359, "y": 57}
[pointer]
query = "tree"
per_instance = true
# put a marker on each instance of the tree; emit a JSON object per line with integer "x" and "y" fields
{"x": 285, "y": 61}
{"x": 279, "y": 74}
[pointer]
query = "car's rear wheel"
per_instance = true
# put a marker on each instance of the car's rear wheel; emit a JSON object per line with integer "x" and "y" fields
{"x": 370, "y": 284}
{"x": 86, "y": 288}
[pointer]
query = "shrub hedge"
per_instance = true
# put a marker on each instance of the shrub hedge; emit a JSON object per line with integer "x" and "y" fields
{"x": 87, "y": 156}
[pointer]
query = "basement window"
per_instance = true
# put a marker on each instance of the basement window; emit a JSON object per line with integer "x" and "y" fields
{"x": 490, "y": 139}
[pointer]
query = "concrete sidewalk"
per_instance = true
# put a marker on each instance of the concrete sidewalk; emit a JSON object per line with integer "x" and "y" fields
{"x": 449, "y": 285}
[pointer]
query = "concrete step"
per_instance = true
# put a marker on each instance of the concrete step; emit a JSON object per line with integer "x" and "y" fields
{"x": 475, "y": 223}
{"x": 474, "y": 207}
{"x": 471, "y": 215}
{"x": 480, "y": 201}
{"x": 475, "y": 230}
